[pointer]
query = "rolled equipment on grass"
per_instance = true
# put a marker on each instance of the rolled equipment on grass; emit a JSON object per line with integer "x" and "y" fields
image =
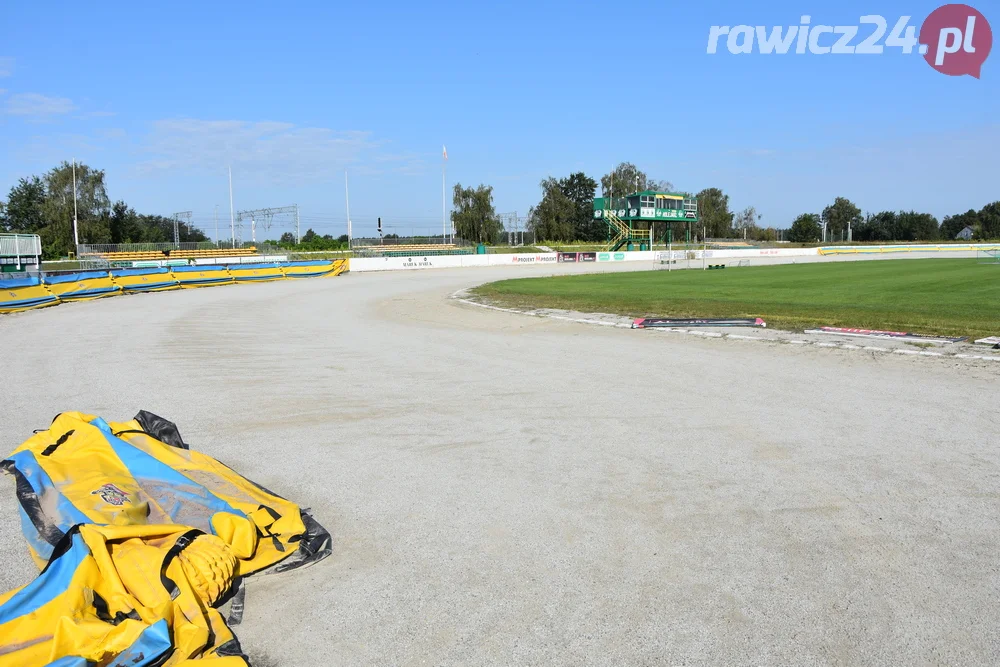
{"x": 683, "y": 322}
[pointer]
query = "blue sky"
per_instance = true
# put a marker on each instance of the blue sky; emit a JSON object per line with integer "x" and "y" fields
{"x": 164, "y": 96}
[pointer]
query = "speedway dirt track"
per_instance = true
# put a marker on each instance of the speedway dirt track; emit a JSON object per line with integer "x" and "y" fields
{"x": 504, "y": 489}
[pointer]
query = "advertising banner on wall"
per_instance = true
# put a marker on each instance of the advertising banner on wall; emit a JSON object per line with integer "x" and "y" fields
{"x": 533, "y": 259}
{"x": 567, "y": 256}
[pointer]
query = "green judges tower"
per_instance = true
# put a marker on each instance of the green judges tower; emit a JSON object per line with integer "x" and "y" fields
{"x": 630, "y": 219}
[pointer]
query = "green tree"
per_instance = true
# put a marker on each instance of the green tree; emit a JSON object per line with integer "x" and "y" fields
{"x": 989, "y": 221}
{"x": 92, "y": 206}
{"x": 659, "y": 186}
{"x": 553, "y": 219}
{"x": 838, "y": 215}
{"x": 805, "y": 229}
{"x": 882, "y": 226}
{"x": 745, "y": 222}
{"x": 24, "y": 206}
{"x": 953, "y": 224}
{"x": 309, "y": 236}
{"x": 124, "y": 224}
{"x": 624, "y": 180}
{"x": 913, "y": 226}
{"x": 287, "y": 240}
{"x": 473, "y": 214}
{"x": 628, "y": 179}
{"x": 714, "y": 213}
{"x": 579, "y": 189}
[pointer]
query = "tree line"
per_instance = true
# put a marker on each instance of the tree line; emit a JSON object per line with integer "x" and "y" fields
{"x": 843, "y": 217}
{"x": 565, "y": 212}
{"x": 43, "y": 205}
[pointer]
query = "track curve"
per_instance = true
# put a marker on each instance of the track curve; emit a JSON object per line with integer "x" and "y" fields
{"x": 512, "y": 490}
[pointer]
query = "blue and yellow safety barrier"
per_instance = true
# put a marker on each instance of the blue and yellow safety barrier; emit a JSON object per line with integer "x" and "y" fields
{"x": 82, "y": 286}
{"x": 256, "y": 273}
{"x": 313, "y": 269}
{"x": 144, "y": 280}
{"x": 23, "y": 294}
{"x": 201, "y": 276}
{"x": 882, "y": 249}
{"x": 52, "y": 289}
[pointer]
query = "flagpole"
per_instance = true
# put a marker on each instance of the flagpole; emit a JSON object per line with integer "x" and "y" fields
{"x": 232, "y": 221}
{"x": 347, "y": 197}
{"x": 444, "y": 224}
{"x": 76, "y": 235}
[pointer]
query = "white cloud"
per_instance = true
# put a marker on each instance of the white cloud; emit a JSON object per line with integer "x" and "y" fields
{"x": 6, "y": 66}
{"x": 274, "y": 152}
{"x": 37, "y": 106}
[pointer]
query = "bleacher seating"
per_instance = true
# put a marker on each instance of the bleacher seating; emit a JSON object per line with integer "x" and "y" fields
{"x": 159, "y": 255}
{"x": 406, "y": 250}
{"x": 414, "y": 248}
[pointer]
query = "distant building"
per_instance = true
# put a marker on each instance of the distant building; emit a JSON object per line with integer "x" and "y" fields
{"x": 965, "y": 234}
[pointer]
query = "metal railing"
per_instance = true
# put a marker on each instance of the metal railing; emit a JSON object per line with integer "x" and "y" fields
{"x": 20, "y": 245}
{"x": 408, "y": 240}
{"x": 104, "y": 248}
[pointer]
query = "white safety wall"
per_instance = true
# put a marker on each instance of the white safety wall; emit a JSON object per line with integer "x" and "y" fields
{"x": 363, "y": 264}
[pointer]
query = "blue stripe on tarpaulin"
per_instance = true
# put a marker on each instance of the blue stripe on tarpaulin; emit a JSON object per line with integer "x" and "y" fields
{"x": 148, "y": 647}
{"x": 11, "y": 283}
{"x": 271, "y": 265}
{"x": 206, "y": 267}
{"x": 311, "y": 274}
{"x": 169, "y": 489}
{"x": 42, "y": 485}
{"x": 83, "y": 294}
{"x": 70, "y": 661}
{"x": 310, "y": 262}
{"x": 138, "y": 272}
{"x": 49, "y": 585}
{"x": 25, "y": 303}
{"x": 147, "y": 287}
{"x": 73, "y": 277}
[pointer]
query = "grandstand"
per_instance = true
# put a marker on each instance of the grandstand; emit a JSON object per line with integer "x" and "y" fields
{"x": 424, "y": 246}
{"x": 125, "y": 254}
{"x": 406, "y": 250}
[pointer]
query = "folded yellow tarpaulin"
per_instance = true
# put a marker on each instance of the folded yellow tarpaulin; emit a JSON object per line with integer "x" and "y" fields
{"x": 124, "y": 595}
{"x": 84, "y": 473}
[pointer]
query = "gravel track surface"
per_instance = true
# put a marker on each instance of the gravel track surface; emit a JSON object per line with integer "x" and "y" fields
{"x": 505, "y": 489}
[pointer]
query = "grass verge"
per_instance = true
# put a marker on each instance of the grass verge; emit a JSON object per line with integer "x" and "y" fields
{"x": 939, "y": 296}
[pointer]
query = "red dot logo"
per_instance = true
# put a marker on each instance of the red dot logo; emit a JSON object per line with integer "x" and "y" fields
{"x": 956, "y": 40}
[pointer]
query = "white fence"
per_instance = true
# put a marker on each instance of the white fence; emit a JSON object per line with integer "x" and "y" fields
{"x": 765, "y": 255}
{"x": 448, "y": 261}
{"x": 20, "y": 245}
